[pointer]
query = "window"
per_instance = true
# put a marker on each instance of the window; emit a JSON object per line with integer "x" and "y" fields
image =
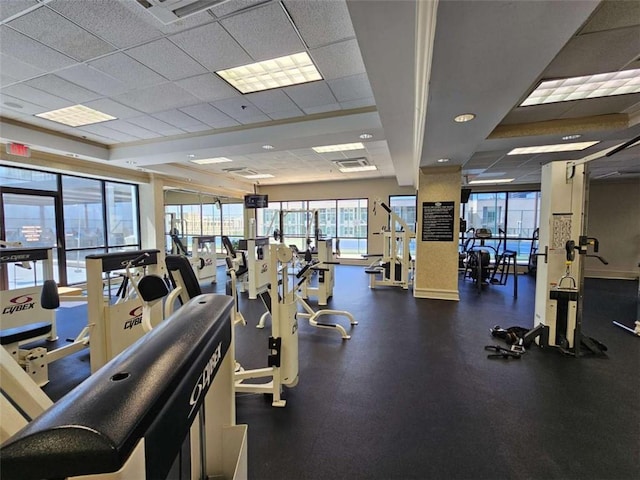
{"x": 352, "y": 226}
{"x": 405, "y": 207}
{"x": 122, "y": 214}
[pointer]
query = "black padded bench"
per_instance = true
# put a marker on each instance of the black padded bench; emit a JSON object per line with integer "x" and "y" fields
{"x": 24, "y": 333}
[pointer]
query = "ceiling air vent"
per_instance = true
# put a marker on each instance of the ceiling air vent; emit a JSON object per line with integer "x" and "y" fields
{"x": 241, "y": 171}
{"x": 169, "y": 11}
{"x": 352, "y": 163}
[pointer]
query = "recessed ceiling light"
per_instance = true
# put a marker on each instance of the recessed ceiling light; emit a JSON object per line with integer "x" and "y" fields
{"x": 465, "y": 117}
{"x": 443, "y": 160}
{"x": 274, "y": 73}
{"x": 191, "y": 155}
{"x": 268, "y": 147}
{"x": 363, "y": 168}
{"x": 131, "y": 162}
{"x": 587, "y": 86}
{"x": 208, "y": 161}
{"x": 365, "y": 136}
{"x": 258, "y": 176}
{"x": 560, "y": 147}
{"x": 76, "y": 116}
{"x": 494, "y": 180}
{"x": 338, "y": 148}
{"x": 571, "y": 137}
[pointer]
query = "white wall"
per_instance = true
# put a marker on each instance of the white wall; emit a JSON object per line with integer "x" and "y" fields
{"x": 614, "y": 219}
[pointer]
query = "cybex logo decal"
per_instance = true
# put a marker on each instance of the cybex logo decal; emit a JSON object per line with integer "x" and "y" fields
{"x": 265, "y": 267}
{"x": 21, "y": 299}
{"x": 23, "y": 302}
{"x": 136, "y": 318}
{"x": 208, "y": 262}
{"x": 15, "y": 258}
{"x": 205, "y": 378}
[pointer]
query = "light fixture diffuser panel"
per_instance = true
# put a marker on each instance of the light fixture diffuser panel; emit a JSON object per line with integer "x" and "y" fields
{"x": 560, "y": 147}
{"x": 275, "y": 73}
{"x": 588, "y": 86}
{"x": 76, "y": 116}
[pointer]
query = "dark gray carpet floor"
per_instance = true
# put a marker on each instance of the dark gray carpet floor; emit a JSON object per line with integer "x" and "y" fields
{"x": 412, "y": 395}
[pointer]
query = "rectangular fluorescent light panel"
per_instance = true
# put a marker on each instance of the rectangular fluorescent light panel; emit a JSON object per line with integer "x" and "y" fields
{"x": 274, "y": 73}
{"x": 76, "y": 116}
{"x": 363, "y": 168}
{"x": 560, "y": 147}
{"x": 208, "y": 161}
{"x": 258, "y": 176}
{"x": 588, "y": 86}
{"x": 495, "y": 180}
{"x": 338, "y": 148}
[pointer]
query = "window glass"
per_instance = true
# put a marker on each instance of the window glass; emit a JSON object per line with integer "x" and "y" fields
{"x": 522, "y": 219}
{"x": 32, "y": 179}
{"x": 267, "y": 219}
{"x": 352, "y": 218}
{"x": 233, "y": 220}
{"x": 83, "y": 215}
{"x": 326, "y": 217}
{"x": 122, "y": 214}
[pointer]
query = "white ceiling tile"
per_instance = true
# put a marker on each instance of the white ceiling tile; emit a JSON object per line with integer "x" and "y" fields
{"x": 31, "y": 52}
{"x": 6, "y": 79}
{"x": 264, "y": 32}
{"x": 241, "y": 110}
{"x": 62, "y": 88}
{"x": 38, "y": 97}
{"x": 112, "y": 108}
{"x": 351, "y": 88}
{"x": 208, "y": 87}
{"x": 28, "y": 108}
{"x": 293, "y": 113}
{"x": 338, "y": 60}
{"x": 331, "y": 107}
{"x": 178, "y": 119}
{"x": 601, "y": 106}
{"x": 157, "y": 98}
{"x": 200, "y": 127}
{"x": 168, "y": 60}
{"x": 155, "y": 125}
{"x": 212, "y": 46}
{"x": 16, "y": 69}
{"x": 127, "y": 70}
{"x": 14, "y": 7}
{"x": 210, "y": 115}
{"x": 271, "y": 101}
{"x": 360, "y": 103}
{"x": 310, "y": 94}
{"x": 107, "y": 132}
{"x": 121, "y": 23}
{"x": 229, "y": 7}
{"x": 187, "y": 23}
{"x": 321, "y": 23}
{"x": 123, "y": 126}
{"x": 53, "y": 30}
{"x": 93, "y": 79}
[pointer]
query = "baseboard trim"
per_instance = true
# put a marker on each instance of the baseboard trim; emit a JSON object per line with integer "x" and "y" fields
{"x": 436, "y": 294}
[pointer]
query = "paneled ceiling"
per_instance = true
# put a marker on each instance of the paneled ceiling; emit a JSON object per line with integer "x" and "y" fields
{"x": 396, "y": 70}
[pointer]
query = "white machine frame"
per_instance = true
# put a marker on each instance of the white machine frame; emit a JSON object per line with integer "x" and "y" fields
{"x": 396, "y": 240}
{"x": 204, "y": 258}
{"x": 259, "y": 263}
{"x": 22, "y": 307}
{"x": 283, "y": 362}
{"x": 326, "y": 273}
{"x": 115, "y": 326}
{"x": 564, "y": 194}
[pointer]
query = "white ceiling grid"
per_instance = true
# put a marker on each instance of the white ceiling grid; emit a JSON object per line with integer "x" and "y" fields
{"x": 159, "y": 80}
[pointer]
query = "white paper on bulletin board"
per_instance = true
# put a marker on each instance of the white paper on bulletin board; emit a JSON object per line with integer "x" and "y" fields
{"x": 560, "y": 230}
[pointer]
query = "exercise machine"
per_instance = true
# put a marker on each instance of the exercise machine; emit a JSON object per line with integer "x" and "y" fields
{"x": 564, "y": 195}
{"x": 303, "y": 277}
{"x": 258, "y": 262}
{"x": 282, "y": 361}
{"x": 203, "y": 257}
{"x": 114, "y": 325}
{"x": 163, "y": 408}
{"x": 323, "y": 263}
{"x": 28, "y": 315}
{"x": 394, "y": 268}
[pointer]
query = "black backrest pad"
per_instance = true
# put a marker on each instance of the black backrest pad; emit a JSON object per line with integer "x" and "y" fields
{"x": 152, "y": 287}
{"x": 228, "y": 246}
{"x": 181, "y": 264}
{"x": 152, "y": 390}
